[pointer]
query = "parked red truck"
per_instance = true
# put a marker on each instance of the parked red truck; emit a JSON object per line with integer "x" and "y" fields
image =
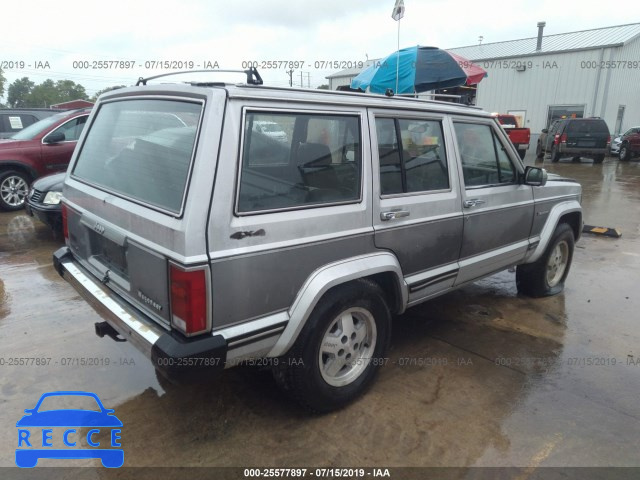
{"x": 519, "y": 136}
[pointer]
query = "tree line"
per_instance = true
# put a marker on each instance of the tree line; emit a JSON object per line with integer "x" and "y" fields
{"x": 24, "y": 93}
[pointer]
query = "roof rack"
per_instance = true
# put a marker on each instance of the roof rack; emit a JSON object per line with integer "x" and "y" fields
{"x": 253, "y": 77}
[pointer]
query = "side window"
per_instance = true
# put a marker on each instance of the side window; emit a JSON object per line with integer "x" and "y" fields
{"x": 412, "y": 156}
{"x": 72, "y": 129}
{"x": 295, "y": 160}
{"x": 16, "y": 122}
{"x": 483, "y": 157}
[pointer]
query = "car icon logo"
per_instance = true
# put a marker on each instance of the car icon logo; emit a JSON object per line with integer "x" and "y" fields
{"x": 56, "y": 433}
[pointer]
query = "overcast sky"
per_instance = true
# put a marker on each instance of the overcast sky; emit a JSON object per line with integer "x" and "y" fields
{"x": 231, "y": 32}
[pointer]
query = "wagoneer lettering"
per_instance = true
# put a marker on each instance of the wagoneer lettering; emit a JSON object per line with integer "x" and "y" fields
{"x": 244, "y": 222}
{"x": 149, "y": 301}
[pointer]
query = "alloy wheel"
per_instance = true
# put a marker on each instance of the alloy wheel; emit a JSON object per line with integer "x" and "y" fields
{"x": 347, "y": 346}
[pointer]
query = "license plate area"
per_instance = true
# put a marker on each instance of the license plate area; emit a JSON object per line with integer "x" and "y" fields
{"x": 110, "y": 254}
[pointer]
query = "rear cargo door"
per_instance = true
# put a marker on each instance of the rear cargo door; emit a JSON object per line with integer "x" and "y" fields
{"x": 587, "y": 134}
{"x": 133, "y": 202}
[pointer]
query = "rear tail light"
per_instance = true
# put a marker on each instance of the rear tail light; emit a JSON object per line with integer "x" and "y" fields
{"x": 608, "y": 139}
{"x": 188, "y": 299}
{"x": 563, "y": 138}
{"x": 65, "y": 226}
{"x": 556, "y": 139}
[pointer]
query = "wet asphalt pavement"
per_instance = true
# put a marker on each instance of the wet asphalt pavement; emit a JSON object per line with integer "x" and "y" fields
{"x": 479, "y": 377}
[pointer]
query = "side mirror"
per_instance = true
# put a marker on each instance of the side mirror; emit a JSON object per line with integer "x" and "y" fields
{"x": 55, "y": 137}
{"x": 545, "y": 130}
{"x": 534, "y": 176}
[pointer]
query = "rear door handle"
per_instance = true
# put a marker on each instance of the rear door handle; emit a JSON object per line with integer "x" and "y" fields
{"x": 472, "y": 202}
{"x": 385, "y": 216}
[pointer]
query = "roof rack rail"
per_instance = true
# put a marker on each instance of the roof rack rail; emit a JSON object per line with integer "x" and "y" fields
{"x": 253, "y": 77}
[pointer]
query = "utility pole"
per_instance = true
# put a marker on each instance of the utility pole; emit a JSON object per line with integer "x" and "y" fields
{"x": 290, "y": 73}
{"x": 308, "y": 74}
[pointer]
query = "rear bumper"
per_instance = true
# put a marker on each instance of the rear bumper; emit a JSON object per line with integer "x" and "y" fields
{"x": 178, "y": 358}
{"x": 586, "y": 151}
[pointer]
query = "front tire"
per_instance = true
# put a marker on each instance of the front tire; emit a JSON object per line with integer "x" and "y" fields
{"x": 539, "y": 152}
{"x": 340, "y": 349}
{"x": 546, "y": 276}
{"x": 624, "y": 154}
{"x": 14, "y": 186}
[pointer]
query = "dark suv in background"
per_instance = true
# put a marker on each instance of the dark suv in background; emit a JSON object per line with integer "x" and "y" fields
{"x": 12, "y": 120}
{"x": 575, "y": 137}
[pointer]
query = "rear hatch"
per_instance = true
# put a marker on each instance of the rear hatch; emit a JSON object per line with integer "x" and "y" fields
{"x": 130, "y": 196}
{"x": 587, "y": 133}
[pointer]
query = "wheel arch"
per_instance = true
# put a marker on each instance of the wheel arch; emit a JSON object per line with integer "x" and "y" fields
{"x": 574, "y": 220}
{"x": 15, "y": 165}
{"x": 382, "y": 268}
{"x": 569, "y": 212}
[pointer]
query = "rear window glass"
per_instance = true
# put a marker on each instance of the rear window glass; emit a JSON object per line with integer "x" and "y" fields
{"x": 587, "y": 126}
{"x": 141, "y": 149}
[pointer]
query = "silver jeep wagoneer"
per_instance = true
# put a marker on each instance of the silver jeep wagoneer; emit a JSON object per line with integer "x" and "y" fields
{"x": 206, "y": 242}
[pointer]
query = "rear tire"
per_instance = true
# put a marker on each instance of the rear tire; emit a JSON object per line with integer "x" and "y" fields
{"x": 624, "y": 154}
{"x": 598, "y": 159}
{"x": 14, "y": 186}
{"x": 555, "y": 155}
{"x": 522, "y": 153}
{"x": 546, "y": 276}
{"x": 340, "y": 349}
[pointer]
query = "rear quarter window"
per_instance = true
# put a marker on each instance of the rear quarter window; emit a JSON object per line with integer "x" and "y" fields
{"x": 141, "y": 149}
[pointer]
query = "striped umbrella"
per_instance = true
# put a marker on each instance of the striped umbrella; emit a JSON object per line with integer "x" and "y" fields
{"x": 420, "y": 69}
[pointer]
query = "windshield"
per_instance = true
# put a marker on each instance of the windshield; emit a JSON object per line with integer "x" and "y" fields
{"x": 35, "y": 129}
{"x": 141, "y": 149}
